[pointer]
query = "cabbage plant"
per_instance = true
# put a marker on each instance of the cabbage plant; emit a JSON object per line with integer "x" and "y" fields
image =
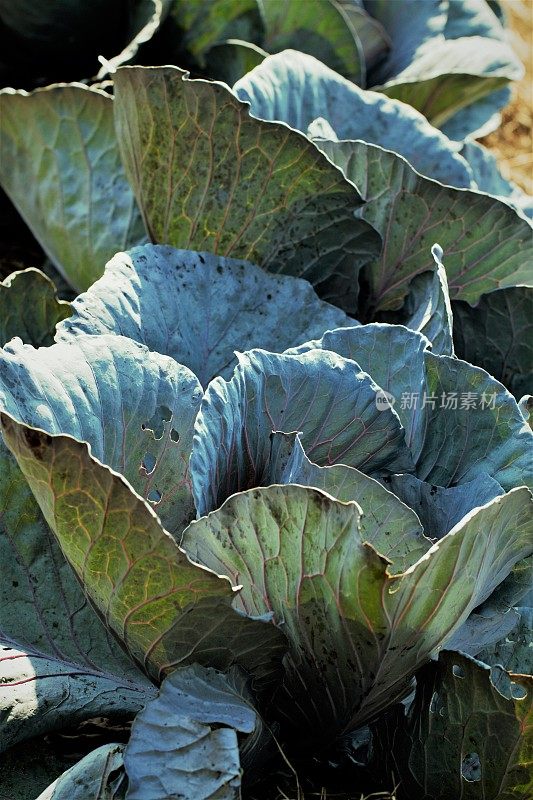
{"x": 226, "y": 521}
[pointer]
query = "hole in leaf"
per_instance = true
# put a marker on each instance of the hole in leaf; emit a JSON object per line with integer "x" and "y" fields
{"x": 148, "y": 463}
{"x": 458, "y": 671}
{"x": 156, "y": 424}
{"x": 174, "y": 435}
{"x": 471, "y": 768}
{"x": 154, "y": 496}
{"x": 517, "y": 691}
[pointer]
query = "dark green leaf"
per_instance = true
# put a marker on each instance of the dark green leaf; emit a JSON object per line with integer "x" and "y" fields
{"x": 467, "y": 734}
{"x": 497, "y": 334}
{"x": 29, "y": 308}
{"x": 318, "y": 27}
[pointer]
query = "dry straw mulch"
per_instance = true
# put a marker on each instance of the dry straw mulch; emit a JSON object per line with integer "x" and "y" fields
{"x": 512, "y": 143}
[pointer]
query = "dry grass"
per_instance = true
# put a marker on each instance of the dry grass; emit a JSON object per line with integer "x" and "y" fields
{"x": 512, "y": 143}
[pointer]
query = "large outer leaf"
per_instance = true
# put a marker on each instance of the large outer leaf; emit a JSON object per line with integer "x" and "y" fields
{"x": 326, "y": 398}
{"x": 199, "y": 308}
{"x": 40, "y": 693}
{"x": 164, "y": 609}
{"x": 319, "y": 27}
{"x": 61, "y": 635}
{"x": 295, "y": 88}
{"x": 467, "y": 734}
{"x": 208, "y": 176}
{"x": 29, "y": 308}
{"x": 356, "y": 634}
{"x": 59, "y": 164}
{"x": 195, "y": 722}
{"x": 497, "y": 334}
{"x": 461, "y": 424}
{"x": 136, "y": 409}
{"x": 98, "y": 776}
{"x": 486, "y": 244}
{"x": 60, "y": 628}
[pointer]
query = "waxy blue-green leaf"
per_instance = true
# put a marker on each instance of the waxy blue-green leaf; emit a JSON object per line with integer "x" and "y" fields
{"x": 441, "y": 508}
{"x": 514, "y": 652}
{"x": 486, "y": 244}
{"x": 208, "y": 176}
{"x": 326, "y": 398}
{"x": 165, "y": 610}
{"x": 194, "y": 723}
{"x": 467, "y": 734}
{"x": 492, "y": 621}
{"x": 135, "y": 408}
{"x": 486, "y": 433}
{"x": 30, "y": 308}
{"x": 408, "y": 30}
{"x": 199, "y": 308}
{"x": 450, "y": 75}
{"x": 356, "y": 634}
{"x": 98, "y": 776}
{"x": 478, "y": 119}
{"x": 460, "y": 423}
{"x": 497, "y": 334}
{"x": 444, "y": 56}
{"x": 295, "y": 88}
{"x": 60, "y": 166}
{"x": 399, "y": 369}
{"x": 428, "y": 308}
